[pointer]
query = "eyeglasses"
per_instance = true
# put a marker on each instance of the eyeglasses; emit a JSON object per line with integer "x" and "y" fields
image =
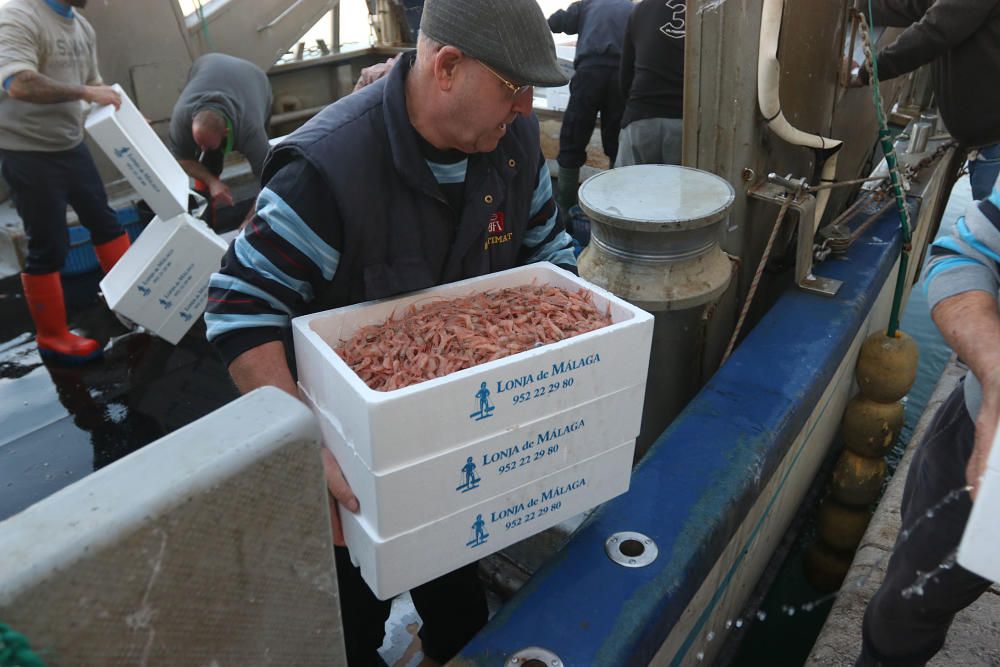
{"x": 515, "y": 90}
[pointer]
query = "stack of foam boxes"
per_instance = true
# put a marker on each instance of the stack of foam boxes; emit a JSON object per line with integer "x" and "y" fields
{"x": 162, "y": 281}
{"x": 452, "y": 469}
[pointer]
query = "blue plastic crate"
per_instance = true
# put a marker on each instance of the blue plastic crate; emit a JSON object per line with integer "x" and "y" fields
{"x": 81, "y": 257}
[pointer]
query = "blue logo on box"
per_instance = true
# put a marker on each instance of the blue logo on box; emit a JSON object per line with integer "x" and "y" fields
{"x": 470, "y": 480}
{"x": 119, "y": 152}
{"x": 479, "y": 534}
{"x": 485, "y": 409}
{"x": 143, "y": 290}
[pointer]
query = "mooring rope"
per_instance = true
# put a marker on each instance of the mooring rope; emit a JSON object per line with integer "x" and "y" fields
{"x": 871, "y": 64}
{"x": 760, "y": 271}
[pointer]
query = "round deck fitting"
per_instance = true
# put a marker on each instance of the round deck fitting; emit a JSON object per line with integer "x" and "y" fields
{"x": 631, "y": 549}
{"x": 534, "y": 656}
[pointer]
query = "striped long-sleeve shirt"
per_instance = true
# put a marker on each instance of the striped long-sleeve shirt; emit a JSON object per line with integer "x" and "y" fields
{"x": 291, "y": 252}
{"x": 966, "y": 259}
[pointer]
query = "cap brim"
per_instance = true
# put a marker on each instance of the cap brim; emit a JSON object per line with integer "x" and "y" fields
{"x": 552, "y": 76}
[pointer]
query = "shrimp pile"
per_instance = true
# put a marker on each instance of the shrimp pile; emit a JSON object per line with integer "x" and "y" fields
{"x": 442, "y": 337}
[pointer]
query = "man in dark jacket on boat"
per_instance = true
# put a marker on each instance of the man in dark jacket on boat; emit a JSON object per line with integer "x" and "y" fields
{"x": 593, "y": 89}
{"x": 961, "y": 41}
{"x": 449, "y": 143}
{"x": 652, "y": 81}
{"x": 963, "y": 285}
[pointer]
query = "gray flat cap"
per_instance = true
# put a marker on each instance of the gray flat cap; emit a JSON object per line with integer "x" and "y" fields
{"x": 511, "y": 36}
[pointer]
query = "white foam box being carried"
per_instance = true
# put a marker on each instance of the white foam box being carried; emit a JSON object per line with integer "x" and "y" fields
{"x": 133, "y": 147}
{"x": 393, "y": 565}
{"x": 391, "y": 429}
{"x": 402, "y": 499}
{"x": 980, "y": 546}
{"x": 162, "y": 281}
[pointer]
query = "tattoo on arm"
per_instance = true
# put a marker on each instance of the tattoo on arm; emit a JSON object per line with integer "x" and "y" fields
{"x": 34, "y": 87}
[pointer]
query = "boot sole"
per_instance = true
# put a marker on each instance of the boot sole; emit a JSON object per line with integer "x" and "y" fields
{"x": 70, "y": 359}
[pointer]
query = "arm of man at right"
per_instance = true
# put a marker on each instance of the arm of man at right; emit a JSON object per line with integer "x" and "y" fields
{"x": 963, "y": 283}
{"x": 270, "y": 274}
{"x": 970, "y": 323}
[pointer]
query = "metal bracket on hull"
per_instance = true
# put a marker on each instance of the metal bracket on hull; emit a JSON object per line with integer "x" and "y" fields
{"x": 777, "y": 191}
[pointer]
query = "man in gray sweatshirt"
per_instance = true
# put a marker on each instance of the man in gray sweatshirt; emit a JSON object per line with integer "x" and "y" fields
{"x": 225, "y": 106}
{"x": 963, "y": 284}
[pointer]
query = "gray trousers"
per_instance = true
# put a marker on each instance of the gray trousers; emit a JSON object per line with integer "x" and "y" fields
{"x": 898, "y": 631}
{"x": 650, "y": 141}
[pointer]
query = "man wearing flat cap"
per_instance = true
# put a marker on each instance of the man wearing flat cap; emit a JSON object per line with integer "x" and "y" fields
{"x": 432, "y": 174}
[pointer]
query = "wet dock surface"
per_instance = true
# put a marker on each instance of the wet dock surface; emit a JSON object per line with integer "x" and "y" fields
{"x": 60, "y": 423}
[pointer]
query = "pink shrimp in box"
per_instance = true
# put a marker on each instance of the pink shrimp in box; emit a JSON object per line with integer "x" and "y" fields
{"x": 442, "y": 337}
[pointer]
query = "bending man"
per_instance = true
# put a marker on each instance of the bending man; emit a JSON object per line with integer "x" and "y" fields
{"x": 225, "y": 106}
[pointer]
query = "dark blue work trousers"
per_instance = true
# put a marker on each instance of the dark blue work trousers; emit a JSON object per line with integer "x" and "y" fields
{"x": 906, "y": 631}
{"x": 42, "y": 184}
{"x": 592, "y": 91}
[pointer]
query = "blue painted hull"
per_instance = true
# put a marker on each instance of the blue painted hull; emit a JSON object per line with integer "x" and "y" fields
{"x": 716, "y": 491}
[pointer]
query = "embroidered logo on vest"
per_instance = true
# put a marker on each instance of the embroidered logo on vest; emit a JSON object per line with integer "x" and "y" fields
{"x": 495, "y": 230}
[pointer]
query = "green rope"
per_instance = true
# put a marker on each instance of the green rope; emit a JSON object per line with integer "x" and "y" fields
{"x": 15, "y": 651}
{"x": 885, "y": 139}
{"x": 204, "y": 25}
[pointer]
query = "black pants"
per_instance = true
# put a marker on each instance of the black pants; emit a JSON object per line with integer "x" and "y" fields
{"x": 592, "y": 91}
{"x": 42, "y": 184}
{"x": 901, "y": 631}
{"x": 452, "y": 609}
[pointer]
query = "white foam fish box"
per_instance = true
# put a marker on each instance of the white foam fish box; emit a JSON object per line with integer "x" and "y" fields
{"x": 980, "y": 543}
{"x": 162, "y": 281}
{"x": 393, "y": 565}
{"x": 391, "y": 429}
{"x": 133, "y": 147}
{"x": 402, "y": 499}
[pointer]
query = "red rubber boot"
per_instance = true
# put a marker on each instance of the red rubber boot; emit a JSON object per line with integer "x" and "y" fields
{"x": 109, "y": 253}
{"x": 44, "y": 295}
